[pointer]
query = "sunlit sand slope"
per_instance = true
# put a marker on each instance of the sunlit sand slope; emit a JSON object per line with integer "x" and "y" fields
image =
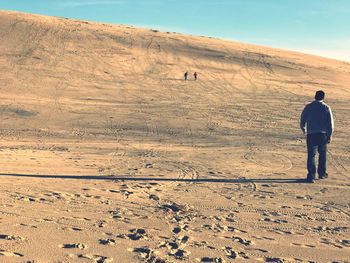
{"x": 108, "y": 154}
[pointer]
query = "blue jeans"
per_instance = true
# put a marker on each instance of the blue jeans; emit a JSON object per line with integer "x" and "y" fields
{"x": 316, "y": 142}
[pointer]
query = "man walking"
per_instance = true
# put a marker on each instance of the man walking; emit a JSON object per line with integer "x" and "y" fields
{"x": 186, "y": 75}
{"x": 317, "y": 122}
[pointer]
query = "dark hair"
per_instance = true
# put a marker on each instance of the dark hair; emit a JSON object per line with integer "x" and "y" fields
{"x": 319, "y": 95}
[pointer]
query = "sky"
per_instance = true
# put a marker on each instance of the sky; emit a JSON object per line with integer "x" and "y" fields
{"x": 318, "y": 27}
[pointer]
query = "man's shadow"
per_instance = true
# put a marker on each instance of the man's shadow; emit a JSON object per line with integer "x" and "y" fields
{"x": 159, "y": 179}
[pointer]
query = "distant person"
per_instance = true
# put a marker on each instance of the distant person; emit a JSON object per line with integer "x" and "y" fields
{"x": 317, "y": 122}
{"x": 195, "y": 75}
{"x": 186, "y": 75}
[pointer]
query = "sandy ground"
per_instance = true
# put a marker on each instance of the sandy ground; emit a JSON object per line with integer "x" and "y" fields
{"x": 108, "y": 155}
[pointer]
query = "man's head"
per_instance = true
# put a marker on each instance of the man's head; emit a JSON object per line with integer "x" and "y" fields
{"x": 319, "y": 95}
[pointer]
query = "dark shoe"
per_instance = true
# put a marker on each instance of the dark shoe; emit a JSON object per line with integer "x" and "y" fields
{"x": 323, "y": 176}
{"x": 310, "y": 181}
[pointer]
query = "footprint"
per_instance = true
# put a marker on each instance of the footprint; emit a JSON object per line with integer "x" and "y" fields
{"x": 148, "y": 165}
{"x": 264, "y": 238}
{"x": 337, "y": 244}
{"x": 9, "y": 253}
{"x": 100, "y": 223}
{"x": 76, "y": 245}
{"x": 137, "y": 234}
{"x": 124, "y": 192}
{"x": 171, "y": 245}
{"x": 276, "y": 260}
{"x": 278, "y": 221}
{"x": 179, "y": 254}
{"x": 332, "y": 230}
{"x": 283, "y": 232}
{"x": 307, "y": 197}
{"x": 184, "y": 239}
{"x": 77, "y": 229}
{"x": 178, "y": 229}
{"x": 260, "y": 250}
{"x": 147, "y": 255}
{"x": 122, "y": 214}
{"x": 230, "y": 253}
{"x": 154, "y": 197}
{"x": 345, "y": 242}
{"x": 25, "y": 225}
{"x": 230, "y": 218}
{"x": 303, "y": 245}
{"x": 242, "y": 241}
{"x": 215, "y": 260}
{"x": 109, "y": 241}
{"x": 304, "y": 217}
{"x": 286, "y": 207}
{"x": 26, "y": 199}
{"x": 217, "y": 228}
{"x": 172, "y": 207}
{"x": 199, "y": 244}
{"x": 96, "y": 258}
{"x": 12, "y": 237}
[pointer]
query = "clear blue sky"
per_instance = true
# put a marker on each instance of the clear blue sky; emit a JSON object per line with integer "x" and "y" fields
{"x": 313, "y": 26}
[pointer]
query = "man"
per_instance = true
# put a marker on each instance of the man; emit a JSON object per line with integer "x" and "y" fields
{"x": 317, "y": 122}
{"x": 186, "y": 75}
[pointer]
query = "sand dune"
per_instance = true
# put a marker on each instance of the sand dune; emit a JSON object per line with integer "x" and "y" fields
{"x": 108, "y": 155}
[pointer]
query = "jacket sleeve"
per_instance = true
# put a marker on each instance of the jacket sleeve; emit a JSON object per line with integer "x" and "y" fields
{"x": 330, "y": 122}
{"x": 303, "y": 119}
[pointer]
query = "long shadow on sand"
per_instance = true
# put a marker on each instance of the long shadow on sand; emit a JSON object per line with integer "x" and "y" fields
{"x": 126, "y": 178}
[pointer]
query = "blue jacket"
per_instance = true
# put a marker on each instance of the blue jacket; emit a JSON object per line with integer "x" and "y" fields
{"x": 317, "y": 117}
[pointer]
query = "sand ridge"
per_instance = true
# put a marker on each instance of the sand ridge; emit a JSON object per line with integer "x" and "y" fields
{"x": 108, "y": 155}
